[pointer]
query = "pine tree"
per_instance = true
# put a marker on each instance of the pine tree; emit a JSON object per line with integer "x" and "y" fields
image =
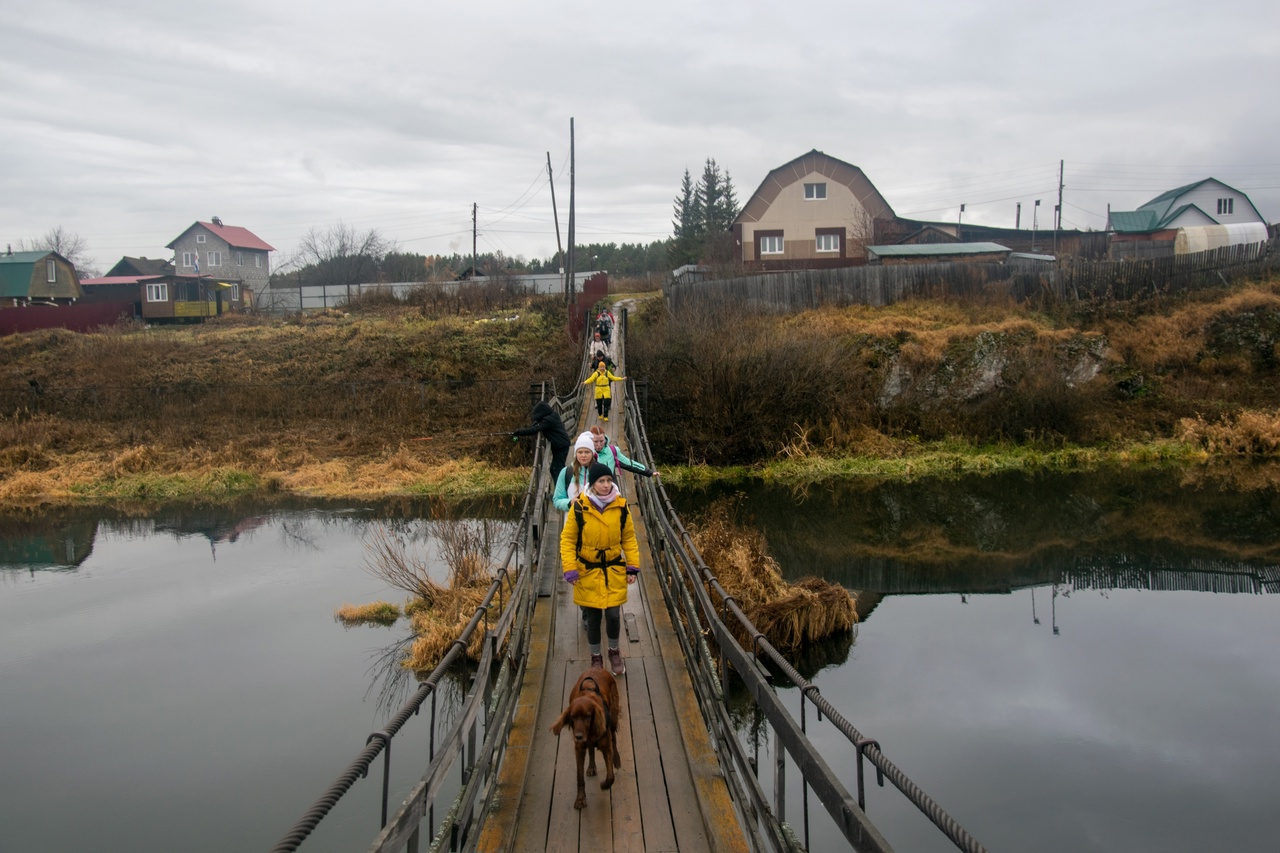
{"x": 687, "y": 234}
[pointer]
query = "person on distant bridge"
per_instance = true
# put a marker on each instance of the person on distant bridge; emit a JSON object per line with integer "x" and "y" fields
{"x": 599, "y": 346}
{"x": 602, "y": 379}
{"x": 547, "y": 422}
{"x": 604, "y": 325}
{"x": 573, "y": 479}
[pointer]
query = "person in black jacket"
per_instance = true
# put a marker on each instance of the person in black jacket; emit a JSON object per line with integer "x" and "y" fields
{"x": 547, "y": 422}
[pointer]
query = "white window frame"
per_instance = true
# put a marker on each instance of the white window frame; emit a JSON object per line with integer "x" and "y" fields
{"x": 833, "y": 239}
{"x": 1226, "y": 206}
{"x": 188, "y": 259}
{"x": 50, "y": 270}
{"x": 200, "y": 238}
{"x": 815, "y": 192}
{"x": 257, "y": 260}
{"x": 239, "y": 259}
{"x": 213, "y": 259}
{"x": 158, "y": 291}
{"x": 235, "y": 293}
{"x": 767, "y": 241}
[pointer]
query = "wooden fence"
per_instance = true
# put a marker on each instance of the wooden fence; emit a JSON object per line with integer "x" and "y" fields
{"x": 1071, "y": 279}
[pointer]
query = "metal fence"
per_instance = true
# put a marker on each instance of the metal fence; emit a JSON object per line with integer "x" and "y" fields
{"x": 702, "y": 611}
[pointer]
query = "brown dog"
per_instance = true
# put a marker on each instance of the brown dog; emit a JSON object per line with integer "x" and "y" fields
{"x": 593, "y": 712}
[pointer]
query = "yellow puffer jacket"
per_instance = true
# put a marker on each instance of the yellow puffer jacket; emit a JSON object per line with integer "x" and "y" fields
{"x": 602, "y": 381}
{"x": 602, "y": 542}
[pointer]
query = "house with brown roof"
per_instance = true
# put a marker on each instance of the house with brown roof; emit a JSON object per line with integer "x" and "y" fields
{"x": 815, "y": 211}
{"x": 140, "y": 266}
{"x": 225, "y": 252}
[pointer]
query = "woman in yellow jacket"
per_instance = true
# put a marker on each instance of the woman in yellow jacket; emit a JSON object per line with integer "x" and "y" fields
{"x": 600, "y": 558}
{"x": 604, "y": 396}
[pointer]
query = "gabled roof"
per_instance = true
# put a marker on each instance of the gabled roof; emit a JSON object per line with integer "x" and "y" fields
{"x": 16, "y": 271}
{"x": 806, "y": 164}
{"x": 237, "y": 237}
{"x": 1160, "y": 212}
{"x": 113, "y": 279}
{"x": 140, "y": 266}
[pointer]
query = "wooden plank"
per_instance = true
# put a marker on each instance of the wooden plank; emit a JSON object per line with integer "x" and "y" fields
{"x": 534, "y": 803}
{"x": 563, "y": 823}
{"x": 655, "y": 811}
{"x": 627, "y": 811}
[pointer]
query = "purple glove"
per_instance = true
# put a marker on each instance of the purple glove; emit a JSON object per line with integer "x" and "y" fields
{"x": 572, "y": 576}
{"x": 633, "y": 570}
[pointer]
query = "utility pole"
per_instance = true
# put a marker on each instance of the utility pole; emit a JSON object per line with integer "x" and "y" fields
{"x": 959, "y": 217}
{"x": 1017, "y": 217}
{"x": 569, "y": 282}
{"x": 474, "y": 271}
{"x": 1035, "y": 222}
{"x": 555, "y": 213}
{"x": 1057, "y": 211}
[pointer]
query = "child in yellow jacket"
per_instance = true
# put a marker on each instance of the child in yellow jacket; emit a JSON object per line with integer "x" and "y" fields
{"x": 604, "y": 395}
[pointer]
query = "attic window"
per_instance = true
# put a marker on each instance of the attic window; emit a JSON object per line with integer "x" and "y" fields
{"x": 1227, "y": 206}
{"x": 814, "y": 192}
{"x": 199, "y": 238}
{"x": 50, "y": 271}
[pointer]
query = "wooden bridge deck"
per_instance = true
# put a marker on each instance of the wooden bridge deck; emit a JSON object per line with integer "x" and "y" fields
{"x": 669, "y": 794}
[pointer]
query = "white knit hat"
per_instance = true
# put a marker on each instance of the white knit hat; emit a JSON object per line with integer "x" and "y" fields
{"x": 584, "y": 442}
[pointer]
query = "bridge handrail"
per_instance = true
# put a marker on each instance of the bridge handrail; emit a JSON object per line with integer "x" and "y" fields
{"x": 506, "y": 640}
{"x": 691, "y": 586}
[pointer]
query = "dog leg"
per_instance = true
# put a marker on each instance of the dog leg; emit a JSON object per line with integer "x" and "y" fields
{"x": 591, "y": 766}
{"x": 581, "y": 802}
{"x": 613, "y": 738}
{"x": 609, "y": 760}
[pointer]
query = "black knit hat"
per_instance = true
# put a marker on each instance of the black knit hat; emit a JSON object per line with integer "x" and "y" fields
{"x": 596, "y": 471}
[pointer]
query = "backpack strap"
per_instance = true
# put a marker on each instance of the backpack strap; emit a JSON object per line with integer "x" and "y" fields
{"x": 600, "y": 561}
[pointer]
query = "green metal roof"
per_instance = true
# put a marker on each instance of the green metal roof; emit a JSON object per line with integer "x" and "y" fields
{"x": 935, "y": 249}
{"x": 16, "y": 272}
{"x": 1126, "y": 221}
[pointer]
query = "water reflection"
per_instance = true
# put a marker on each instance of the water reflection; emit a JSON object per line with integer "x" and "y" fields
{"x": 1064, "y": 662}
{"x": 180, "y": 676}
{"x": 997, "y": 534}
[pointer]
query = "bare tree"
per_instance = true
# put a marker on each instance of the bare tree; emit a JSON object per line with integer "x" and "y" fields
{"x": 69, "y": 244}
{"x": 340, "y": 255}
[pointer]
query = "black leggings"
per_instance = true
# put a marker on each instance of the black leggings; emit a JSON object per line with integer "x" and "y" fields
{"x": 612, "y": 624}
{"x": 602, "y": 406}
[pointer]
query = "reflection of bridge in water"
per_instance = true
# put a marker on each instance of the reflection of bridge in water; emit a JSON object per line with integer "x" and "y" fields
{"x": 891, "y": 576}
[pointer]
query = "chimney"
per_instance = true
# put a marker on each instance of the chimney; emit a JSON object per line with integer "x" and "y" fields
{"x": 217, "y": 221}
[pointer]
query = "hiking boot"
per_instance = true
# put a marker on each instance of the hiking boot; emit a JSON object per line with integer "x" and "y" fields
{"x": 615, "y": 662}
{"x": 597, "y": 662}
{"x": 604, "y": 417}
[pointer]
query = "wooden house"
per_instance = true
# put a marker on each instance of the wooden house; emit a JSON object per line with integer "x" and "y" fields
{"x": 37, "y": 278}
{"x": 169, "y": 298}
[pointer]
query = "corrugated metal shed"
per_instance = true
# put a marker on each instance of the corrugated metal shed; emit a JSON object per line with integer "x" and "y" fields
{"x": 920, "y": 250}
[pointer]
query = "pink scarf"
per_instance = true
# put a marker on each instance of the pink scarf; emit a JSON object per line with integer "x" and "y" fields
{"x": 601, "y": 502}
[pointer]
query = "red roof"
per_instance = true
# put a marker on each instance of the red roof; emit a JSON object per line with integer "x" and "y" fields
{"x": 240, "y": 238}
{"x": 116, "y": 279}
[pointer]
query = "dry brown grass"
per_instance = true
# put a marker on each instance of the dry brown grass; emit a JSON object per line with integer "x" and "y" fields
{"x": 790, "y": 615}
{"x": 373, "y": 613}
{"x": 1246, "y": 433}
{"x": 438, "y": 612}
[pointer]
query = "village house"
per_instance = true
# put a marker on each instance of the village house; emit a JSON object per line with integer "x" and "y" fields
{"x": 37, "y": 278}
{"x": 1194, "y": 218}
{"x": 228, "y": 253}
{"x": 813, "y": 212}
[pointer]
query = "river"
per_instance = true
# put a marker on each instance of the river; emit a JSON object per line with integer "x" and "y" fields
{"x": 1064, "y": 663}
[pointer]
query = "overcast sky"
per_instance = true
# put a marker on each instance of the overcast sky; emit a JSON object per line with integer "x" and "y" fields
{"x": 127, "y": 120}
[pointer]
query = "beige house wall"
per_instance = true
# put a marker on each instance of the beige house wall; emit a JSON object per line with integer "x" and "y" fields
{"x": 851, "y": 206}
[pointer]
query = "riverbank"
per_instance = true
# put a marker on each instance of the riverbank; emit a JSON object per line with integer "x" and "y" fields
{"x": 393, "y": 401}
